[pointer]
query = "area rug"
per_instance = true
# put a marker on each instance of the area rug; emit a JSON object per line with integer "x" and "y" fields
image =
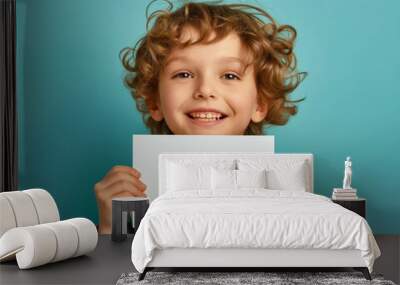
{"x": 244, "y": 278}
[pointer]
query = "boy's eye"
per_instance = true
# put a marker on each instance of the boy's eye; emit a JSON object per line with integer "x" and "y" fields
{"x": 231, "y": 76}
{"x": 182, "y": 75}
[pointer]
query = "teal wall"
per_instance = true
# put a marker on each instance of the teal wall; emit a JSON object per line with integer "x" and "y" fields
{"x": 76, "y": 118}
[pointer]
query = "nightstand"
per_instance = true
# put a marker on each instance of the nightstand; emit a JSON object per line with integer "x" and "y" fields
{"x": 125, "y": 210}
{"x": 358, "y": 206}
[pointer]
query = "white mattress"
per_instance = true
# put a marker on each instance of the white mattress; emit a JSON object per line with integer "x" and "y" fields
{"x": 251, "y": 218}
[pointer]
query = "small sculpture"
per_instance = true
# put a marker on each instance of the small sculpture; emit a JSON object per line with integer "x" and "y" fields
{"x": 347, "y": 174}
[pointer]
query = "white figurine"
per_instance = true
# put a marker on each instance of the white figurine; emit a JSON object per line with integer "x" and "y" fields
{"x": 347, "y": 174}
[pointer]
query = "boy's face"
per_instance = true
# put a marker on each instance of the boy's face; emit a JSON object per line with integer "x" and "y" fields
{"x": 204, "y": 89}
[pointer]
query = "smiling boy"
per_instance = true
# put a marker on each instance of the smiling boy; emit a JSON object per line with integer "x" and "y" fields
{"x": 205, "y": 69}
{"x": 206, "y": 89}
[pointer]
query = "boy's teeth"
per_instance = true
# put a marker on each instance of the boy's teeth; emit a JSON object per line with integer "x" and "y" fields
{"x": 206, "y": 115}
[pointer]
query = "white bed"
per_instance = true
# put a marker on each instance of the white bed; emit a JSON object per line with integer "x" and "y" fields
{"x": 281, "y": 224}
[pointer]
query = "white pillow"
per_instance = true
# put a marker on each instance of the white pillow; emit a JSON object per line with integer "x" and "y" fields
{"x": 223, "y": 179}
{"x": 236, "y": 179}
{"x": 281, "y": 174}
{"x": 251, "y": 178}
{"x": 181, "y": 177}
{"x": 290, "y": 179}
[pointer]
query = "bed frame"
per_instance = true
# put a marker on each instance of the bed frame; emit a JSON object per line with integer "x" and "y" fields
{"x": 240, "y": 259}
{"x": 243, "y": 259}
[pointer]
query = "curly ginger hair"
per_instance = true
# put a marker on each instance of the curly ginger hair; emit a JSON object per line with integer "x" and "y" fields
{"x": 270, "y": 44}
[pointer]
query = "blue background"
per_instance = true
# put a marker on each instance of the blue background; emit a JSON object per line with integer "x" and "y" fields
{"x": 76, "y": 118}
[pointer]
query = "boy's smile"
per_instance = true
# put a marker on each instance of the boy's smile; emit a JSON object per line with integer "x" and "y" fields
{"x": 207, "y": 89}
{"x": 206, "y": 116}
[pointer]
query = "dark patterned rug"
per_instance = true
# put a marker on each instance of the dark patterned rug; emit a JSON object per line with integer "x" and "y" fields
{"x": 230, "y": 278}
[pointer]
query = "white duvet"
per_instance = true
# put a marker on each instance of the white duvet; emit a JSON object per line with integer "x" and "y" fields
{"x": 251, "y": 218}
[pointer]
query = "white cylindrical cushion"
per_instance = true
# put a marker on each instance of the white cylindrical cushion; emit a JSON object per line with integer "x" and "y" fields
{"x": 7, "y": 218}
{"x": 87, "y": 234}
{"x": 34, "y": 245}
{"x": 67, "y": 239}
{"x": 40, "y": 244}
{"x": 45, "y": 205}
{"x": 23, "y": 208}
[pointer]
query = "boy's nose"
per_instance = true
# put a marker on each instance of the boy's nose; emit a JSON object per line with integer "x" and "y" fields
{"x": 204, "y": 90}
{"x": 203, "y": 95}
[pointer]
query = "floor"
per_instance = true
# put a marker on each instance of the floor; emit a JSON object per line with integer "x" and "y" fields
{"x": 111, "y": 259}
{"x": 389, "y": 262}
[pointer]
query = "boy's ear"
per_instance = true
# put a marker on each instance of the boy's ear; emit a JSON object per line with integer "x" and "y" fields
{"x": 260, "y": 113}
{"x": 155, "y": 110}
{"x": 156, "y": 114}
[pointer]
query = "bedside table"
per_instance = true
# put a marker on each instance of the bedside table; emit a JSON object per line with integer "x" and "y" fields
{"x": 122, "y": 209}
{"x": 358, "y": 206}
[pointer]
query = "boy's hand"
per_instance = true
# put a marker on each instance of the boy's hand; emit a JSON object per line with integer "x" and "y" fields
{"x": 120, "y": 181}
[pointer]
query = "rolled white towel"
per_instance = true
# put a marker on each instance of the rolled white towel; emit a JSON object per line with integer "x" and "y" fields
{"x": 40, "y": 244}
